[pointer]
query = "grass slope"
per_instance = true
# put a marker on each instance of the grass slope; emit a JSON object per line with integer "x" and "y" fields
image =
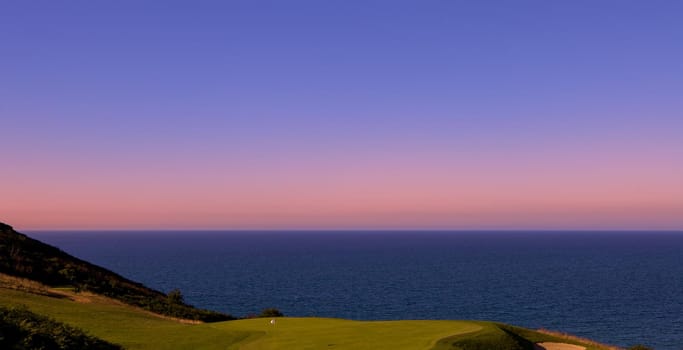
{"x": 23, "y": 329}
{"x": 122, "y": 324}
{"x": 135, "y": 328}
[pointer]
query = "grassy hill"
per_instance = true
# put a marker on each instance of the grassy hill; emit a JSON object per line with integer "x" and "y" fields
{"x": 23, "y": 256}
{"x": 22, "y": 329}
{"x": 135, "y": 328}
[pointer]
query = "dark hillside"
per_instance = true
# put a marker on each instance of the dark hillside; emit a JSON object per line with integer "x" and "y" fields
{"x": 25, "y": 257}
{"x": 493, "y": 336}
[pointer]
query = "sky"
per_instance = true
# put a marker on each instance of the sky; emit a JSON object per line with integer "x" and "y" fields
{"x": 341, "y": 114}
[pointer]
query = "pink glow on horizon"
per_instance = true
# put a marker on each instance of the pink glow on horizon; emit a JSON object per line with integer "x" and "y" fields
{"x": 537, "y": 192}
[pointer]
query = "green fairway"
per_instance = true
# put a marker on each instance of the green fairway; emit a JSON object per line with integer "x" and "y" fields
{"x": 317, "y": 333}
{"x": 125, "y": 325}
{"x": 135, "y": 328}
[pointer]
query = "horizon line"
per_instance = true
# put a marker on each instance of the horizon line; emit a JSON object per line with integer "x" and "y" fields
{"x": 356, "y": 230}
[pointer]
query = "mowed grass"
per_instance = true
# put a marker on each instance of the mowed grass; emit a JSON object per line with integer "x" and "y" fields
{"x": 135, "y": 328}
{"x": 128, "y": 326}
{"x": 324, "y": 333}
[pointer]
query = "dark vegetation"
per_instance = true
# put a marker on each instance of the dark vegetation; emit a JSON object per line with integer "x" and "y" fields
{"x": 494, "y": 336}
{"x": 25, "y": 257}
{"x": 640, "y": 347}
{"x": 22, "y": 329}
{"x": 271, "y": 312}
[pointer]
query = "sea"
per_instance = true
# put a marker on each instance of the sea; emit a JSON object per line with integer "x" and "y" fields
{"x": 620, "y": 288}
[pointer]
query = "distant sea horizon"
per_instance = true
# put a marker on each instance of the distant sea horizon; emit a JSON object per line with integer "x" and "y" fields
{"x": 620, "y": 287}
{"x": 348, "y": 230}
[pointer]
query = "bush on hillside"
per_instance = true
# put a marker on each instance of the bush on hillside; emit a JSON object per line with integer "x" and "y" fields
{"x": 175, "y": 297}
{"x": 271, "y": 312}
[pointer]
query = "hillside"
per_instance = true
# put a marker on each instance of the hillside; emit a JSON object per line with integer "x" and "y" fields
{"x": 25, "y": 257}
{"x": 23, "y": 329}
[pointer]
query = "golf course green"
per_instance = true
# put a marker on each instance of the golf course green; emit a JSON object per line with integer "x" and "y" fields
{"x": 135, "y": 328}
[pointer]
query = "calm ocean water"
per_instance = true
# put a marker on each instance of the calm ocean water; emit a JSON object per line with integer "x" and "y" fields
{"x": 620, "y": 288}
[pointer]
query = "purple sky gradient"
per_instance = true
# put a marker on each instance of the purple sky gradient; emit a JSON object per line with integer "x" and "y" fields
{"x": 342, "y": 114}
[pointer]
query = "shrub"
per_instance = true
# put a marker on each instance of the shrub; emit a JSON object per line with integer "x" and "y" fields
{"x": 271, "y": 312}
{"x": 175, "y": 297}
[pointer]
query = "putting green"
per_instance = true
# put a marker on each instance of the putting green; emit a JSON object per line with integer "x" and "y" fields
{"x": 317, "y": 333}
{"x": 135, "y": 328}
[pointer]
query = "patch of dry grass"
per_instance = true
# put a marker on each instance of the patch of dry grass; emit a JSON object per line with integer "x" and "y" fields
{"x": 26, "y": 285}
{"x": 33, "y": 287}
{"x": 571, "y": 337}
